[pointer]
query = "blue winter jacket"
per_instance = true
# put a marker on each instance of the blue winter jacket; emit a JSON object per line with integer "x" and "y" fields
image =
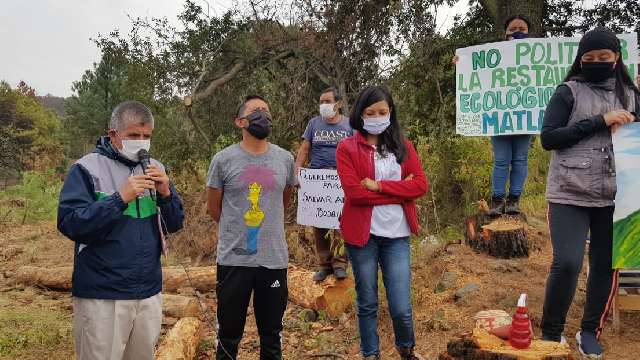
{"x": 117, "y": 245}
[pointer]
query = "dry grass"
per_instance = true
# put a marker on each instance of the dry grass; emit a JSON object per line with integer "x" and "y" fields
{"x": 35, "y": 325}
{"x": 196, "y": 243}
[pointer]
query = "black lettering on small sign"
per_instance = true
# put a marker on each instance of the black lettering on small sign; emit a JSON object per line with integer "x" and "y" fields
{"x": 318, "y": 199}
{"x": 331, "y": 185}
{"x": 307, "y": 175}
{"x": 320, "y": 213}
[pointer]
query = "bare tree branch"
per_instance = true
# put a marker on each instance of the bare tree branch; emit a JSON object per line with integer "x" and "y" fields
{"x": 218, "y": 82}
{"x": 491, "y": 6}
{"x": 198, "y": 128}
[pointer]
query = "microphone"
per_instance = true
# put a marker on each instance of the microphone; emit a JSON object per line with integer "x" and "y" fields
{"x": 145, "y": 161}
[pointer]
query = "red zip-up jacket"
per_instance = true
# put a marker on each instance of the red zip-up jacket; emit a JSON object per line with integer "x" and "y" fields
{"x": 355, "y": 161}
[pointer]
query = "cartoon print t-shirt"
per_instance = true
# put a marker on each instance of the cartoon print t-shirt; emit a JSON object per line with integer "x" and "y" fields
{"x": 251, "y": 228}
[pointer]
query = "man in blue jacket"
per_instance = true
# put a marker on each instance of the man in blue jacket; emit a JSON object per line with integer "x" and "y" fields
{"x": 118, "y": 216}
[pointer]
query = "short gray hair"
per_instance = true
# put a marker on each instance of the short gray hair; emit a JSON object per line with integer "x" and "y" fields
{"x": 130, "y": 112}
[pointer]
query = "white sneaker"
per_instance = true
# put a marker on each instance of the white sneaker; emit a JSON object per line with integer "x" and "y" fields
{"x": 563, "y": 340}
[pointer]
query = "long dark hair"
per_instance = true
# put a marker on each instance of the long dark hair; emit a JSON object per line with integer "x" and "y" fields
{"x": 516, "y": 17}
{"x": 623, "y": 79}
{"x": 392, "y": 139}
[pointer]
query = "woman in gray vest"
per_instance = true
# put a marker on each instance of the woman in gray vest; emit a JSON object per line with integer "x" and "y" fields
{"x": 597, "y": 97}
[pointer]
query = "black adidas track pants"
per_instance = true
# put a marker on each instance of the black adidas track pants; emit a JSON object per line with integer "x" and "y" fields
{"x": 234, "y": 287}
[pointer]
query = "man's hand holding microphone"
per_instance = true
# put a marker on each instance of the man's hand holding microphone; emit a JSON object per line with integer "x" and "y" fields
{"x": 154, "y": 179}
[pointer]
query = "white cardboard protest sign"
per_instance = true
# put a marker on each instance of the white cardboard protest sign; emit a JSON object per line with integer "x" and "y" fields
{"x": 320, "y": 198}
{"x": 503, "y": 88}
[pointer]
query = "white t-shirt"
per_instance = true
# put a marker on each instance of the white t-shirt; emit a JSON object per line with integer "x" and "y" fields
{"x": 388, "y": 220}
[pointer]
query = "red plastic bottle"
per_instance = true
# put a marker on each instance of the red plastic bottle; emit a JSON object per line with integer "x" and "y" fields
{"x": 520, "y": 335}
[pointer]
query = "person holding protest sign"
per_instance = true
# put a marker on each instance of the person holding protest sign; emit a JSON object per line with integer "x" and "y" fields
{"x": 597, "y": 97}
{"x": 320, "y": 139}
{"x": 510, "y": 152}
{"x": 249, "y": 186}
{"x": 381, "y": 176}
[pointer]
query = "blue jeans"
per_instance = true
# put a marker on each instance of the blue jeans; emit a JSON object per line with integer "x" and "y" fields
{"x": 394, "y": 257}
{"x": 510, "y": 161}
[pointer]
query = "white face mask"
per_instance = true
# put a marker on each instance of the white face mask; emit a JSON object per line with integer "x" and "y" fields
{"x": 327, "y": 111}
{"x": 130, "y": 148}
{"x": 376, "y": 125}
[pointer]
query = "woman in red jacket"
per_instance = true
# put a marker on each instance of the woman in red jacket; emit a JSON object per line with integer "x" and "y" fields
{"x": 382, "y": 177}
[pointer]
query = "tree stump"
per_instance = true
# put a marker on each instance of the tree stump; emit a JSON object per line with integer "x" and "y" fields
{"x": 480, "y": 345}
{"x": 502, "y": 237}
{"x": 333, "y": 296}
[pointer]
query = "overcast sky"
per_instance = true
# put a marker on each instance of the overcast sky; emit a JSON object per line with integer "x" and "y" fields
{"x": 46, "y": 42}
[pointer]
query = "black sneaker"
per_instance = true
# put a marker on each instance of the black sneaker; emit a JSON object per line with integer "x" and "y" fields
{"x": 322, "y": 274}
{"x": 497, "y": 206}
{"x": 340, "y": 273}
{"x": 409, "y": 354}
{"x": 513, "y": 205}
{"x": 589, "y": 346}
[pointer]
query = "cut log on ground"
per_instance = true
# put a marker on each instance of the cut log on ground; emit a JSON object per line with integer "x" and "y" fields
{"x": 58, "y": 278}
{"x": 480, "y": 345}
{"x": 201, "y": 278}
{"x": 178, "y": 306}
{"x": 333, "y": 296}
{"x": 502, "y": 237}
{"x": 182, "y": 341}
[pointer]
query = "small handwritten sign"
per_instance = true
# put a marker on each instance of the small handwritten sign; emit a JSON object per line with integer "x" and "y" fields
{"x": 320, "y": 198}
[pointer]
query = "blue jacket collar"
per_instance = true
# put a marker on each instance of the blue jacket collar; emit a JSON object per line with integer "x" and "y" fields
{"x": 105, "y": 148}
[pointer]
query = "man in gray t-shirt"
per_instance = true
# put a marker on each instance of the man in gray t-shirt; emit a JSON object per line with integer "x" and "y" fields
{"x": 251, "y": 227}
{"x": 320, "y": 141}
{"x": 249, "y": 186}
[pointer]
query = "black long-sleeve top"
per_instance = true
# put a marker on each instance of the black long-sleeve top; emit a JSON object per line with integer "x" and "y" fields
{"x": 556, "y": 134}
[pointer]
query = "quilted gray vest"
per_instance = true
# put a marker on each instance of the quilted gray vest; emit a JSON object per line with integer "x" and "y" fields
{"x": 585, "y": 174}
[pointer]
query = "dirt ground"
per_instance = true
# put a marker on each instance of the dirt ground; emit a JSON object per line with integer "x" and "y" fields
{"x": 36, "y": 323}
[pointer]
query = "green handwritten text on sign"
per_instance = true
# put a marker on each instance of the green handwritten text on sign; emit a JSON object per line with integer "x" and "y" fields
{"x": 503, "y": 88}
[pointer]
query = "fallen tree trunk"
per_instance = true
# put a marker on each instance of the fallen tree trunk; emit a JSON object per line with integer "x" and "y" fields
{"x": 178, "y": 306}
{"x": 201, "y": 278}
{"x": 333, "y": 296}
{"x": 182, "y": 341}
{"x": 480, "y": 345}
{"x": 58, "y": 278}
{"x": 502, "y": 237}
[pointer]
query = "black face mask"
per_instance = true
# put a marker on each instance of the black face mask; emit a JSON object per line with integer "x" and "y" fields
{"x": 517, "y": 35}
{"x": 596, "y": 72}
{"x": 259, "y": 124}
